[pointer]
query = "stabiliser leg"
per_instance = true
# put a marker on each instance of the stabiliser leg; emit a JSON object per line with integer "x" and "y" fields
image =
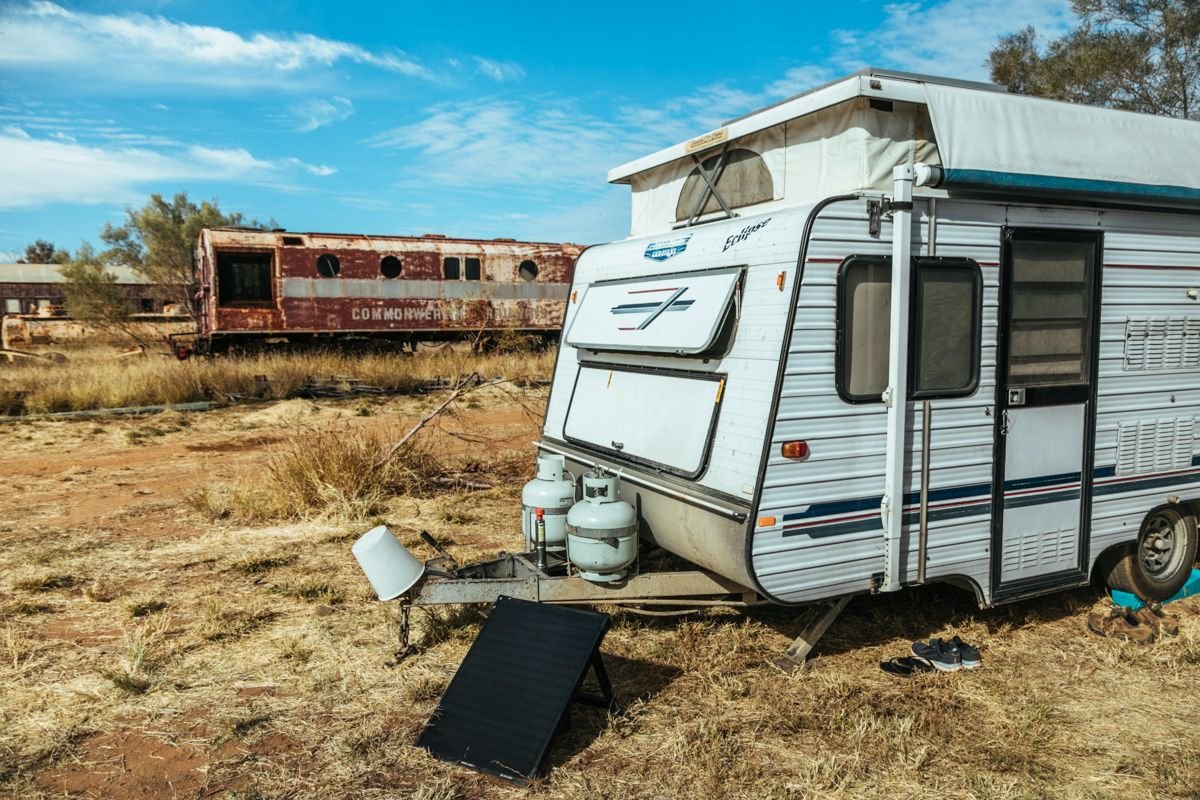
{"x": 800, "y": 649}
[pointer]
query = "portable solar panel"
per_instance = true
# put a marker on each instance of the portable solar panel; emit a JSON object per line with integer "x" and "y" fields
{"x": 514, "y": 689}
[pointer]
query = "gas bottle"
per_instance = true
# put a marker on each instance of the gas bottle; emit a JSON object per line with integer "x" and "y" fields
{"x": 602, "y": 530}
{"x": 553, "y": 492}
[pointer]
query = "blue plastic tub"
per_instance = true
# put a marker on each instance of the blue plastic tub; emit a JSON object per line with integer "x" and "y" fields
{"x": 1190, "y": 588}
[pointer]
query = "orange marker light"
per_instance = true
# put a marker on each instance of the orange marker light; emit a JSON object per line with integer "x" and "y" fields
{"x": 573, "y": 296}
{"x": 798, "y": 449}
{"x": 779, "y": 281}
{"x": 766, "y": 522}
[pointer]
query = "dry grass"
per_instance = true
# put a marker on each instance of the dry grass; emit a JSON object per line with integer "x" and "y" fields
{"x": 269, "y": 673}
{"x": 85, "y": 383}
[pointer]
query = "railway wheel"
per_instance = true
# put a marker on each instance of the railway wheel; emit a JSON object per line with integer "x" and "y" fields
{"x": 1160, "y": 561}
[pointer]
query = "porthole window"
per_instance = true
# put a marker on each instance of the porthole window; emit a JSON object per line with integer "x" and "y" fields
{"x": 528, "y": 270}
{"x": 328, "y": 266}
{"x": 389, "y": 267}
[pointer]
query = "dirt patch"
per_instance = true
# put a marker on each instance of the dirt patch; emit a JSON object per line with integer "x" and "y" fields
{"x": 129, "y": 765}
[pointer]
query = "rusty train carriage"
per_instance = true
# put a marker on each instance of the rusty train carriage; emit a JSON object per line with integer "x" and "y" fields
{"x": 259, "y": 286}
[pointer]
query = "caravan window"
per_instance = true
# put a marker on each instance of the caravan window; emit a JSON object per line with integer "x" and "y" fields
{"x": 744, "y": 182}
{"x": 1051, "y": 300}
{"x": 864, "y": 310}
{"x": 944, "y": 328}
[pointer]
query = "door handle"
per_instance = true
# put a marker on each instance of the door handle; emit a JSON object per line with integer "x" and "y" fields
{"x": 1005, "y": 424}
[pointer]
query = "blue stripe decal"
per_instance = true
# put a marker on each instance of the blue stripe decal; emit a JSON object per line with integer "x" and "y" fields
{"x": 873, "y": 523}
{"x": 871, "y": 504}
{"x": 1044, "y": 480}
{"x": 989, "y": 179}
{"x": 1026, "y": 500}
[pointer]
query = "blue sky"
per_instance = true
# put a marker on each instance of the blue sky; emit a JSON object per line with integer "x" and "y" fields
{"x": 467, "y": 119}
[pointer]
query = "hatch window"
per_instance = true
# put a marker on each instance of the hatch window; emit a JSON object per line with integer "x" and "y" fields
{"x": 243, "y": 278}
{"x": 450, "y": 268}
{"x": 474, "y": 268}
{"x": 688, "y": 314}
{"x": 744, "y": 181}
{"x": 528, "y": 271}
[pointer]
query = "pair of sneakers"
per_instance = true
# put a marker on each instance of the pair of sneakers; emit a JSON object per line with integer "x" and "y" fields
{"x": 947, "y": 655}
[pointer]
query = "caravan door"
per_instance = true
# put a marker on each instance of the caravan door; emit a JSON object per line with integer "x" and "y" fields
{"x": 1045, "y": 410}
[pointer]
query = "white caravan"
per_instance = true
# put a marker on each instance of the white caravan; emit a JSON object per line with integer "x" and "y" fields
{"x": 896, "y": 330}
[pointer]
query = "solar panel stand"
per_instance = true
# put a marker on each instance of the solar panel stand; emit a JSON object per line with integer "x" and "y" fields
{"x": 605, "y": 699}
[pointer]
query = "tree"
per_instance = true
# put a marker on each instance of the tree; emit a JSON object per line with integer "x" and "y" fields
{"x": 158, "y": 239}
{"x": 1138, "y": 55}
{"x": 43, "y": 252}
{"x": 91, "y": 292}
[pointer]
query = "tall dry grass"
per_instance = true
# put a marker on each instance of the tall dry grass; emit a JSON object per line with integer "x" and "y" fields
{"x": 86, "y": 383}
{"x": 325, "y": 473}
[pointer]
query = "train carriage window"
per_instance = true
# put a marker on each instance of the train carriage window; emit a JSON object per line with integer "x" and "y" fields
{"x": 328, "y": 265}
{"x": 12, "y": 306}
{"x": 390, "y": 267}
{"x": 946, "y": 317}
{"x": 450, "y": 269}
{"x": 243, "y": 278}
{"x": 473, "y": 269}
{"x": 528, "y": 271}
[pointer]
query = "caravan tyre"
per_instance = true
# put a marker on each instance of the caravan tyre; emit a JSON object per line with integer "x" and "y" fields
{"x": 1160, "y": 562}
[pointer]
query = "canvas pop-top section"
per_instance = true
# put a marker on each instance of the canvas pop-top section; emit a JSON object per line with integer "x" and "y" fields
{"x": 851, "y": 145}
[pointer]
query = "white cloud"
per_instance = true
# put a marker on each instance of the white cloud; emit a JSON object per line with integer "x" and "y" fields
{"x": 37, "y": 171}
{"x": 951, "y": 38}
{"x": 500, "y": 71}
{"x": 317, "y": 112}
{"x": 801, "y": 79}
{"x": 153, "y": 49}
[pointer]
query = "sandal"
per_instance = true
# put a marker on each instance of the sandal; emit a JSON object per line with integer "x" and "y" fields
{"x": 904, "y": 667}
{"x": 1120, "y": 623}
{"x": 1159, "y": 621}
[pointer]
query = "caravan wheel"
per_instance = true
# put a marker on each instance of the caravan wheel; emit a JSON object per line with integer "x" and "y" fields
{"x": 1160, "y": 562}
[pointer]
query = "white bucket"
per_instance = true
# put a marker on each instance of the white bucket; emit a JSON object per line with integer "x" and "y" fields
{"x": 390, "y": 568}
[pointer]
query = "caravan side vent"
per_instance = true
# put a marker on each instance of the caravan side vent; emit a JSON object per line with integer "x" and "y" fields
{"x": 1159, "y": 445}
{"x": 1159, "y": 343}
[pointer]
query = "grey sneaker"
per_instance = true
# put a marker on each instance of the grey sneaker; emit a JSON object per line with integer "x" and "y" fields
{"x": 942, "y": 656}
{"x": 967, "y": 653}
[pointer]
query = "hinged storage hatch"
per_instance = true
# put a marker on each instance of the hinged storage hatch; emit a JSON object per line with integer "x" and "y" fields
{"x": 661, "y": 419}
{"x": 681, "y": 314}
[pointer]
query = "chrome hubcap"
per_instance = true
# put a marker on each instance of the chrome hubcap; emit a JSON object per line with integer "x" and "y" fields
{"x": 1158, "y": 545}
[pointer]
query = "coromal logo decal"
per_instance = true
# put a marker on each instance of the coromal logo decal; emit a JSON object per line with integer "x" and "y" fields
{"x": 661, "y": 251}
{"x": 653, "y": 309}
{"x": 744, "y": 234}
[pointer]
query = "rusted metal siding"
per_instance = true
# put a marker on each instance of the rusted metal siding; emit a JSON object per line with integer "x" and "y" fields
{"x": 361, "y": 299}
{"x": 27, "y": 284}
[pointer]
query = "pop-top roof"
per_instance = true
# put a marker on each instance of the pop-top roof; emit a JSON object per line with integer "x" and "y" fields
{"x": 985, "y": 135}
